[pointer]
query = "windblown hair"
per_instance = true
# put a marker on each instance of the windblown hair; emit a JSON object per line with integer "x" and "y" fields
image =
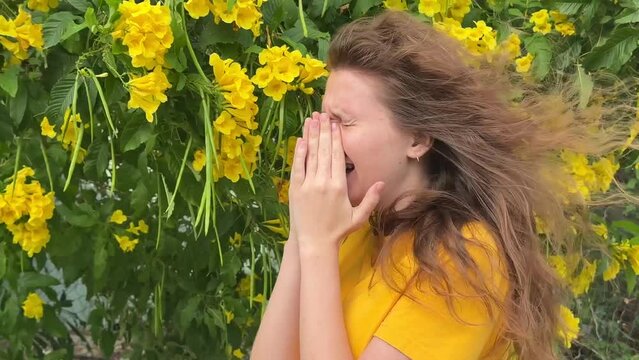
{"x": 495, "y": 159}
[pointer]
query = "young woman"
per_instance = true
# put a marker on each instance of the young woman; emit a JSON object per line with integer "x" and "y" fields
{"x": 413, "y": 199}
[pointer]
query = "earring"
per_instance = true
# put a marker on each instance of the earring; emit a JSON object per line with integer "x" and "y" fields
{"x": 418, "y": 159}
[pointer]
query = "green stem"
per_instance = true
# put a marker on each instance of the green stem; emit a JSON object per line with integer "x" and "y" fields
{"x": 159, "y": 232}
{"x": 190, "y": 47}
{"x": 179, "y": 178}
{"x": 46, "y": 164}
{"x": 15, "y": 166}
{"x": 302, "y": 20}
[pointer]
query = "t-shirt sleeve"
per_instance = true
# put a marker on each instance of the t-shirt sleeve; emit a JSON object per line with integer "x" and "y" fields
{"x": 429, "y": 330}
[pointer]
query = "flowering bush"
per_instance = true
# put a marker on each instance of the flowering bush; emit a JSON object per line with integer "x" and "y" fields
{"x": 144, "y": 193}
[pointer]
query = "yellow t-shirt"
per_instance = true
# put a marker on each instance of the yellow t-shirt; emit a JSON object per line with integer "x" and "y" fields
{"x": 419, "y": 332}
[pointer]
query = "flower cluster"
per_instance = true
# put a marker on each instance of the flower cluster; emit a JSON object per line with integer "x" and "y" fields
{"x": 234, "y": 124}
{"x": 19, "y": 35}
{"x": 32, "y": 306}
{"x": 456, "y": 9}
{"x": 43, "y": 5}
{"x": 566, "y": 266}
{"x": 588, "y": 177}
{"x": 68, "y": 135}
{"x": 244, "y": 13}
{"x": 283, "y": 70}
{"x": 542, "y": 20}
{"x": 569, "y": 326}
{"x": 25, "y": 209}
{"x": 399, "y": 5}
{"x": 126, "y": 242}
{"x": 147, "y": 91}
{"x": 623, "y": 253}
{"x": 145, "y": 30}
{"x": 479, "y": 40}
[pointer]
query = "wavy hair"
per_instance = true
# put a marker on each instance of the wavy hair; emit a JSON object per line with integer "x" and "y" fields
{"x": 494, "y": 159}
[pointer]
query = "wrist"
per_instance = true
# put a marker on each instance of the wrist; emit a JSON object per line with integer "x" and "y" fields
{"x": 315, "y": 249}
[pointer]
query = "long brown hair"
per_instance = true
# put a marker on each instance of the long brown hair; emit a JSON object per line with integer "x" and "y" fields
{"x": 494, "y": 159}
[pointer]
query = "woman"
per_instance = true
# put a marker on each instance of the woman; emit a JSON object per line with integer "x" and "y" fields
{"x": 413, "y": 199}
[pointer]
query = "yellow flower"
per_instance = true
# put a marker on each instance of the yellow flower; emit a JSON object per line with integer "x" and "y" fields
{"x": 601, "y": 230}
{"x": 544, "y": 28}
{"x": 539, "y": 17}
{"x": 46, "y": 129}
{"x": 633, "y": 258}
{"x": 225, "y": 123}
{"x": 141, "y": 228}
{"x": 569, "y": 326}
{"x": 147, "y": 92}
{"x": 231, "y": 147}
{"x": 19, "y": 35}
{"x": 523, "y": 63}
{"x": 275, "y": 89}
{"x": 399, "y": 5}
{"x": 244, "y": 13}
{"x": 282, "y": 186}
{"x": 612, "y": 270}
{"x": 145, "y": 30}
{"x": 565, "y": 29}
{"x": 429, "y": 7}
{"x": 42, "y": 5}
{"x": 238, "y": 354}
{"x": 118, "y": 217}
{"x": 199, "y": 160}
{"x": 559, "y": 264}
{"x": 32, "y": 306}
{"x": 229, "y": 316}
{"x": 244, "y": 286}
{"x": 262, "y": 77}
{"x": 197, "y": 8}
{"x": 460, "y": 8}
{"x": 236, "y": 240}
{"x": 557, "y": 16}
{"x": 126, "y": 244}
{"x": 581, "y": 283}
{"x": 259, "y": 298}
{"x": 512, "y": 45}
{"x": 233, "y": 169}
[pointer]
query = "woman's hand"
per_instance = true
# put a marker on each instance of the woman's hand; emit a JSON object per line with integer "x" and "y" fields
{"x": 321, "y": 213}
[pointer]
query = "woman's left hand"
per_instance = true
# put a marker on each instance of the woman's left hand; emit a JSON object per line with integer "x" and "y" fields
{"x": 320, "y": 210}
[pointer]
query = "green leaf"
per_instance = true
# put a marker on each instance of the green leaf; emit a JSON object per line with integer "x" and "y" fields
{"x": 81, "y": 5}
{"x": 60, "y": 26}
{"x": 140, "y": 197}
{"x": 627, "y": 16}
{"x": 32, "y": 280}
{"x": 188, "y": 313}
{"x": 362, "y": 6}
{"x": 18, "y": 105}
{"x": 626, "y": 225}
{"x": 3, "y": 261}
{"x": 53, "y": 325}
{"x": 540, "y": 47}
{"x": 82, "y": 215}
{"x": 584, "y": 81}
{"x": 615, "y": 52}
{"x": 9, "y": 80}
{"x": 132, "y": 136}
{"x": 100, "y": 257}
{"x": 61, "y": 98}
{"x": 631, "y": 279}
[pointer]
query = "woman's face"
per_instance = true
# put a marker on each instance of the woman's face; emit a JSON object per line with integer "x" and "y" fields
{"x": 372, "y": 141}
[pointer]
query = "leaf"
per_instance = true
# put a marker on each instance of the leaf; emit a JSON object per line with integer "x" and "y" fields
{"x": 540, "y": 47}
{"x": 60, "y": 26}
{"x": 140, "y": 197}
{"x": 100, "y": 257}
{"x": 133, "y": 136}
{"x": 362, "y": 6}
{"x": 615, "y": 52}
{"x": 627, "y": 16}
{"x": 585, "y": 86}
{"x": 631, "y": 279}
{"x": 32, "y": 280}
{"x": 61, "y": 98}
{"x": 18, "y": 105}
{"x": 188, "y": 313}
{"x": 81, "y": 5}
{"x": 83, "y": 215}
{"x": 9, "y": 80}
{"x": 626, "y": 225}
{"x": 3, "y": 261}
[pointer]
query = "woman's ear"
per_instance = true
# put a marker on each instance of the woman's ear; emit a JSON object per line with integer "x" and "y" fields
{"x": 421, "y": 145}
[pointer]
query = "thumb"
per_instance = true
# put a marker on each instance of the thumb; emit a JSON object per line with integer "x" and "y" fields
{"x": 371, "y": 199}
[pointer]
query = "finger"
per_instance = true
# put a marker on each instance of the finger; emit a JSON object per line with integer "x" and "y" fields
{"x": 298, "y": 168}
{"x": 324, "y": 159}
{"x": 366, "y": 207}
{"x": 338, "y": 172}
{"x": 307, "y": 123}
{"x": 311, "y": 151}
